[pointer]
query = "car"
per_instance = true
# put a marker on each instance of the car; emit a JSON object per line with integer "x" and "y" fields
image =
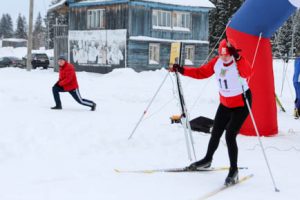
{"x": 39, "y": 60}
{"x": 11, "y": 62}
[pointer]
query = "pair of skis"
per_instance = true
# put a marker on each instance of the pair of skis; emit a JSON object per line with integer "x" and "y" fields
{"x": 178, "y": 170}
{"x": 188, "y": 170}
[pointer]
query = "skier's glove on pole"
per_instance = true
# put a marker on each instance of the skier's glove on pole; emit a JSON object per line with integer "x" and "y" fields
{"x": 234, "y": 52}
{"x": 177, "y": 68}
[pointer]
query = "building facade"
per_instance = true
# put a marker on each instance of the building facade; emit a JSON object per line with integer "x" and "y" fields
{"x": 108, "y": 34}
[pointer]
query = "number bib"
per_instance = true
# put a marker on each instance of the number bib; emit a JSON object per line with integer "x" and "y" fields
{"x": 229, "y": 81}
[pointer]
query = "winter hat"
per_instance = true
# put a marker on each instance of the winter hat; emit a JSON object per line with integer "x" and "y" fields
{"x": 62, "y": 57}
{"x": 223, "y": 49}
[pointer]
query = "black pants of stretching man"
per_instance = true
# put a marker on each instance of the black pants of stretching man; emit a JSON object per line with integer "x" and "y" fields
{"x": 231, "y": 120}
{"x": 56, "y": 89}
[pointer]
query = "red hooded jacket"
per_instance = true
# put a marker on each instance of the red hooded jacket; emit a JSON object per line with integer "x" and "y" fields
{"x": 67, "y": 77}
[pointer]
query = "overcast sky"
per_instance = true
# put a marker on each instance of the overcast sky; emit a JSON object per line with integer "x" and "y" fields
{"x": 14, "y": 7}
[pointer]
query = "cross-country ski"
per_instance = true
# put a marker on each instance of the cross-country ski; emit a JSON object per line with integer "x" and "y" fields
{"x": 224, "y": 187}
{"x": 183, "y": 169}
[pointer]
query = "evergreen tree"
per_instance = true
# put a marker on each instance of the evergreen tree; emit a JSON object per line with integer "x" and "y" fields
{"x": 38, "y": 33}
{"x": 21, "y": 28}
{"x": 6, "y": 26}
{"x": 297, "y": 33}
{"x": 275, "y": 46}
{"x": 219, "y": 17}
{"x": 285, "y": 38}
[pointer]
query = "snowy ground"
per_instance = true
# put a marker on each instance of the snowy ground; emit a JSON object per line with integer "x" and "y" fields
{"x": 70, "y": 154}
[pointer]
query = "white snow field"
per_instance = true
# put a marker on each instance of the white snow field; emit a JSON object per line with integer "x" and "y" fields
{"x": 71, "y": 154}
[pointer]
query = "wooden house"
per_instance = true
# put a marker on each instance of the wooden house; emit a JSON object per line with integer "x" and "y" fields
{"x": 108, "y": 34}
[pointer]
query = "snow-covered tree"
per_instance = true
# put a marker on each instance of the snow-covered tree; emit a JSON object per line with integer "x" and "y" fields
{"x": 284, "y": 39}
{"x": 219, "y": 17}
{"x": 297, "y": 33}
{"x": 21, "y": 31}
{"x": 39, "y": 33}
{"x": 6, "y": 26}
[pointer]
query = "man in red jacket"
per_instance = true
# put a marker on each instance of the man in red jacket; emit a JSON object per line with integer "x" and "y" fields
{"x": 231, "y": 71}
{"x": 68, "y": 83}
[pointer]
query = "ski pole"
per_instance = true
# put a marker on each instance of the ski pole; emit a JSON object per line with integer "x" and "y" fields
{"x": 146, "y": 110}
{"x": 254, "y": 123}
{"x": 186, "y": 124}
{"x": 285, "y": 66}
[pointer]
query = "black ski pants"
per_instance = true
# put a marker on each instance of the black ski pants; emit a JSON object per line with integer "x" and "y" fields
{"x": 56, "y": 89}
{"x": 231, "y": 120}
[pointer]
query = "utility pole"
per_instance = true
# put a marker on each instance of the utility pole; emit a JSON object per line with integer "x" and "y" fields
{"x": 29, "y": 45}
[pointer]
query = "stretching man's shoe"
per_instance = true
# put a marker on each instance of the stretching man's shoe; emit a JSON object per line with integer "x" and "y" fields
{"x": 93, "y": 108}
{"x": 56, "y": 108}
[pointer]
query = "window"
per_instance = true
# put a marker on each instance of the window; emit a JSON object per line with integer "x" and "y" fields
{"x": 95, "y": 19}
{"x": 161, "y": 19}
{"x": 189, "y": 54}
{"x": 181, "y": 20}
{"x": 154, "y": 54}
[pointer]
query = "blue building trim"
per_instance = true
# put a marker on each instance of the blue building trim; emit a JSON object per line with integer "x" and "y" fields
{"x": 168, "y": 6}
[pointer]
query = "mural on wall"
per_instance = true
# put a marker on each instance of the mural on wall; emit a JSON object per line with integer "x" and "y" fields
{"x": 97, "y": 48}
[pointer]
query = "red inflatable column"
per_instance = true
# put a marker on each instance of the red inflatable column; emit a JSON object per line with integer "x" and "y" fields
{"x": 261, "y": 83}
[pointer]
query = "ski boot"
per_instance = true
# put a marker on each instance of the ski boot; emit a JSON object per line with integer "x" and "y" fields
{"x": 201, "y": 164}
{"x": 232, "y": 177}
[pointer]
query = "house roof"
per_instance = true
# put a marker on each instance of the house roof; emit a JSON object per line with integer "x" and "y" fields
{"x": 190, "y": 3}
{"x": 14, "y": 40}
{"x": 57, "y": 5}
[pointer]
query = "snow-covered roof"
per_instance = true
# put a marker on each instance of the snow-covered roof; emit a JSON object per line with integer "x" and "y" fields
{"x": 192, "y": 3}
{"x": 57, "y": 5}
{"x": 14, "y": 40}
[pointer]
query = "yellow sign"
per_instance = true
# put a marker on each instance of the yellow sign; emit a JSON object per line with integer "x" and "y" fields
{"x": 175, "y": 53}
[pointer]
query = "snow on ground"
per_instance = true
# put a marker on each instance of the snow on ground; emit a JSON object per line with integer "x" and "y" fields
{"x": 70, "y": 154}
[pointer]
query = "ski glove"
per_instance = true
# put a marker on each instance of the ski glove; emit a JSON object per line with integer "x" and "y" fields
{"x": 234, "y": 52}
{"x": 178, "y": 68}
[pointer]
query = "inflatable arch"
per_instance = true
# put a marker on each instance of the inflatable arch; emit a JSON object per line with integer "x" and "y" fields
{"x": 262, "y": 18}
